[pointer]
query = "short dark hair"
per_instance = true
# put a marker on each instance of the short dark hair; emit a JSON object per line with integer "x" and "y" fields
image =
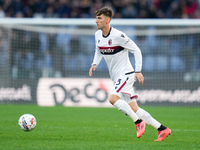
{"x": 107, "y": 11}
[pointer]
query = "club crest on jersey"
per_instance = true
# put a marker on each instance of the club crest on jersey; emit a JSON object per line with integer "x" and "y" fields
{"x": 110, "y": 42}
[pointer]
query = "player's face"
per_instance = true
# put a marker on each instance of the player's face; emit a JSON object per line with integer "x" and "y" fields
{"x": 101, "y": 21}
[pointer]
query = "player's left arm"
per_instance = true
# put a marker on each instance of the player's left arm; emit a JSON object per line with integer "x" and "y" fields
{"x": 126, "y": 42}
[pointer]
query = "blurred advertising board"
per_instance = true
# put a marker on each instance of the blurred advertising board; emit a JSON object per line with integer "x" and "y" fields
{"x": 94, "y": 92}
{"x": 18, "y": 91}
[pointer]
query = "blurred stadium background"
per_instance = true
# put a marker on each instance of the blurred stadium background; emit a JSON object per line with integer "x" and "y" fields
{"x": 49, "y": 39}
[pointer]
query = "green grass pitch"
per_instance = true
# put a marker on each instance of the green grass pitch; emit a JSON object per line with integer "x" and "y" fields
{"x": 71, "y": 128}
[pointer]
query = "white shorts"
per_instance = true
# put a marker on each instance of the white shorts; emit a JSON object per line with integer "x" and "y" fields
{"x": 123, "y": 87}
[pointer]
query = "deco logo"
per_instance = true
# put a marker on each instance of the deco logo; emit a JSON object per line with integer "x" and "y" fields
{"x": 73, "y": 92}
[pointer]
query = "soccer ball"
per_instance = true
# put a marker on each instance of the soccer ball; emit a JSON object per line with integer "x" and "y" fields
{"x": 27, "y": 122}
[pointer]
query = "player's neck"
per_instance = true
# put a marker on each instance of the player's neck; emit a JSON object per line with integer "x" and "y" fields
{"x": 106, "y": 30}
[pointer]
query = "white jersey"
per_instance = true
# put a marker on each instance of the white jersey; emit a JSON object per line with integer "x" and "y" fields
{"x": 114, "y": 48}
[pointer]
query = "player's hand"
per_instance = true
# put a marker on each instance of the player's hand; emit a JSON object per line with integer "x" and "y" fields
{"x": 140, "y": 78}
{"x": 93, "y": 68}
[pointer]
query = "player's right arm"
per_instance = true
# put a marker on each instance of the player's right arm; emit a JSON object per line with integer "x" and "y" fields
{"x": 93, "y": 68}
{"x": 96, "y": 60}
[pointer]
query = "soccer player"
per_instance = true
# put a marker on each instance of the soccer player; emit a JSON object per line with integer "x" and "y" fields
{"x": 114, "y": 45}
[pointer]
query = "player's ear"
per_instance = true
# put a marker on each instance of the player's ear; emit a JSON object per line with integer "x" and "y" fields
{"x": 108, "y": 20}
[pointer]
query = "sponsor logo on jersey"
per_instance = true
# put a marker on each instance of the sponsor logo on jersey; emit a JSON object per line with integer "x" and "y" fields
{"x": 107, "y": 50}
{"x": 110, "y": 50}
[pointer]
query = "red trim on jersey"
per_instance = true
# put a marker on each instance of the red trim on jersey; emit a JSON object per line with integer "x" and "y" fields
{"x": 135, "y": 96}
{"x": 113, "y": 47}
{"x": 121, "y": 87}
{"x": 126, "y": 93}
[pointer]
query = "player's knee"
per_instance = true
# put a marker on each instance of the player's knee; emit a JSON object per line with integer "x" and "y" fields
{"x": 113, "y": 98}
{"x": 111, "y": 101}
{"x": 134, "y": 106}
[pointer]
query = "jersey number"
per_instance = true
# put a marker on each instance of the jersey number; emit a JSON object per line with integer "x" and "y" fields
{"x": 118, "y": 82}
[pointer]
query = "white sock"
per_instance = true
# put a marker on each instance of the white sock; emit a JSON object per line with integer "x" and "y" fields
{"x": 144, "y": 115}
{"x": 126, "y": 109}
